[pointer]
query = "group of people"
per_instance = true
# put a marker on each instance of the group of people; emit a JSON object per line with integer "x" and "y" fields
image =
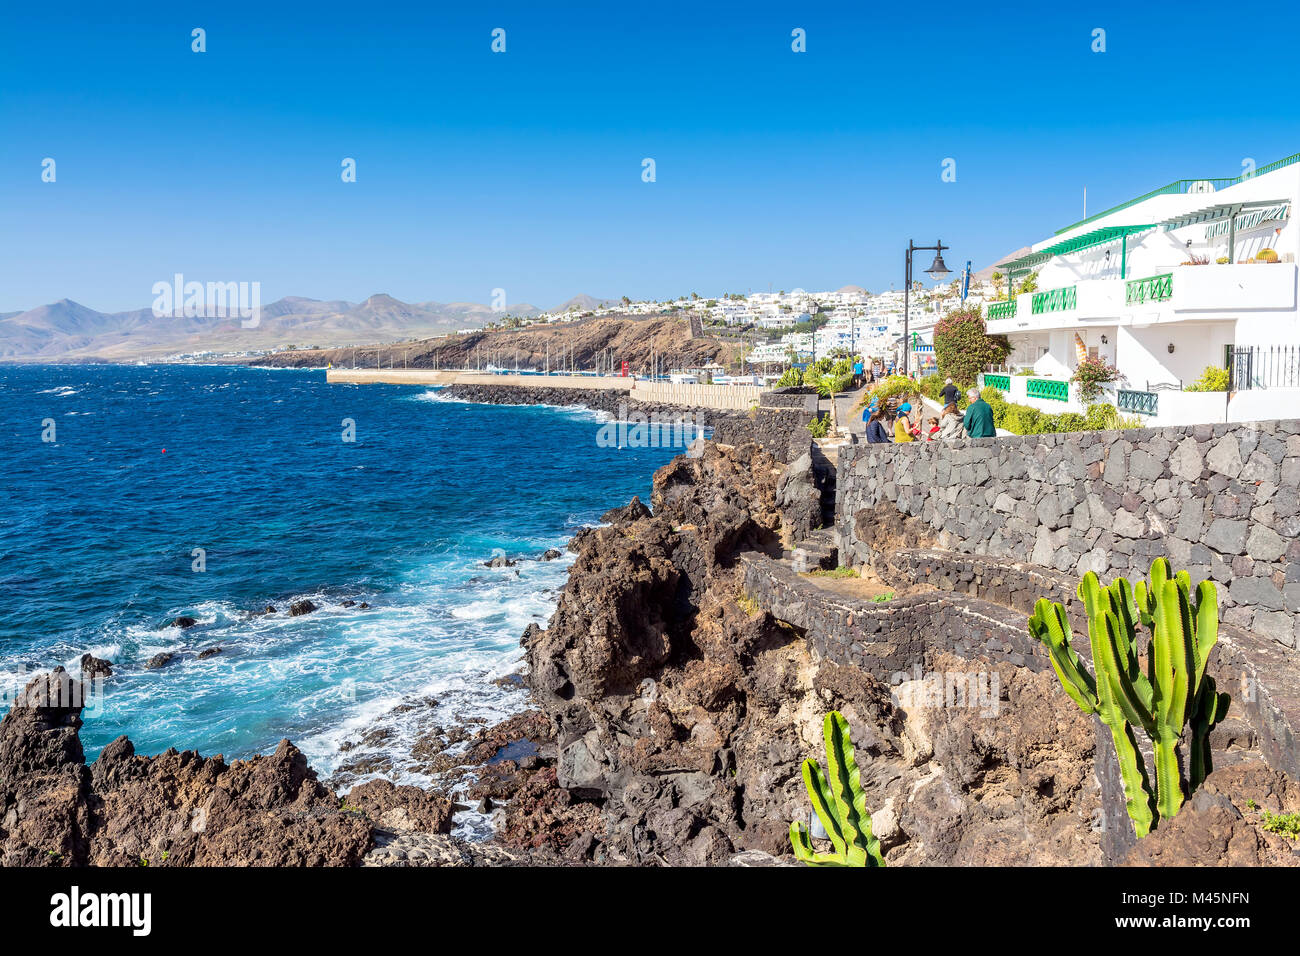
{"x": 885, "y": 424}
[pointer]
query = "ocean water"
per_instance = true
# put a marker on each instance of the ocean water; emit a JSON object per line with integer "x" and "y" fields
{"x": 98, "y": 531}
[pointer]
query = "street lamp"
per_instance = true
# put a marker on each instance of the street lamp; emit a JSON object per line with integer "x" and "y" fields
{"x": 936, "y": 271}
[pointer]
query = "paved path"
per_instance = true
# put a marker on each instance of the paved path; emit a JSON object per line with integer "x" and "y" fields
{"x": 844, "y": 411}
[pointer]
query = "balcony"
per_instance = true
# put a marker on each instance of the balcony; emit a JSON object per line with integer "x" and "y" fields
{"x": 1047, "y": 388}
{"x": 1209, "y": 292}
{"x": 1002, "y": 310}
{"x": 1055, "y": 300}
{"x": 1137, "y": 403}
{"x": 1234, "y": 288}
{"x": 1152, "y": 289}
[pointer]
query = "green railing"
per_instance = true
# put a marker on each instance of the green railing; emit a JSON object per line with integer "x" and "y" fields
{"x": 1150, "y": 289}
{"x": 1001, "y": 382}
{"x": 1140, "y": 403}
{"x": 1048, "y": 388}
{"x": 1002, "y": 310}
{"x": 1055, "y": 300}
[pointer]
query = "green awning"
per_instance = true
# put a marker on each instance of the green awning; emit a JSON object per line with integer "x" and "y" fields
{"x": 1249, "y": 219}
{"x": 1217, "y": 212}
{"x": 1088, "y": 240}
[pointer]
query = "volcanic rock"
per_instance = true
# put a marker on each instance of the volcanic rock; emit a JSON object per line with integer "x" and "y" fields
{"x": 92, "y": 667}
{"x": 172, "y": 809}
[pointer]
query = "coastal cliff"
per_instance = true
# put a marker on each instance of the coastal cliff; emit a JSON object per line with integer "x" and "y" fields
{"x": 666, "y": 340}
{"x": 677, "y": 688}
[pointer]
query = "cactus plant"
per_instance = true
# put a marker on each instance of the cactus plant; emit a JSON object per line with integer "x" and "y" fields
{"x": 1175, "y": 692}
{"x": 839, "y": 803}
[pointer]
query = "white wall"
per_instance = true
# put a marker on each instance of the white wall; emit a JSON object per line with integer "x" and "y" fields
{"x": 1263, "y": 404}
{"x": 1143, "y": 354}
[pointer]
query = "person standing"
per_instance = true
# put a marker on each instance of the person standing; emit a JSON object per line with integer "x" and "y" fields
{"x": 978, "y": 420}
{"x": 950, "y": 392}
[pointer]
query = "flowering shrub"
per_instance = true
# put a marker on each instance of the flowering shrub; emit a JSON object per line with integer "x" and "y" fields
{"x": 962, "y": 348}
{"x": 1091, "y": 375}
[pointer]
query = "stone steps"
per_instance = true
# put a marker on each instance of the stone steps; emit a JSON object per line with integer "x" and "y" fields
{"x": 818, "y": 550}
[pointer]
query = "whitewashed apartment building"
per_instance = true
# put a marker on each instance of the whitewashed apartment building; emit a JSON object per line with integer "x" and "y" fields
{"x": 1201, "y": 272}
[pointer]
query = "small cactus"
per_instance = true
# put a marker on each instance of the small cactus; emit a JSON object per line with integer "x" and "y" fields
{"x": 839, "y": 803}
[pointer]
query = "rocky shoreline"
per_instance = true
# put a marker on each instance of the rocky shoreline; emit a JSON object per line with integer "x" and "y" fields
{"x": 670, "y": 713}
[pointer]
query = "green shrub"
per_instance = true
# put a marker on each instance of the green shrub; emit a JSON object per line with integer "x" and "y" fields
{"x": 1070, "y": 422}
{"x": 1103, "y": 417}
{"x": 820, "y": 427}
{"x": 1213, "y": 379}
{"x": 893, "y": 385}
{"x": 841, "y": 381}
{"x": 1024, "y": 420}
{"x": 1287, "y": 824}
{"x": 790, "y": 378}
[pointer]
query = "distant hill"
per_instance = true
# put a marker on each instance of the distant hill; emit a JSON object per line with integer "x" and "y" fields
{"x": 857, "y": 289}
{"x": 583, "y": 303}
{"x": 69, "y": 331}
{"x": 986, "y": 274}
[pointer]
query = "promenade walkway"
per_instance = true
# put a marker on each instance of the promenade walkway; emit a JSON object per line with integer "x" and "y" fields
{"x": 845, "y": 414}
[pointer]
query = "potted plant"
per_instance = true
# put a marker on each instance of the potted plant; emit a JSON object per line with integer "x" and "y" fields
{"x": 1266, "y": 255}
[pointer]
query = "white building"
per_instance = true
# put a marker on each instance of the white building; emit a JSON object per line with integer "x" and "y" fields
{"x": 1161, "y": 287}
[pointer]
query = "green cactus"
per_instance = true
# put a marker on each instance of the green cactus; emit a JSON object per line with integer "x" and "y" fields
{"x": 840, "y": 805}
{"x": 1173, "y": 694}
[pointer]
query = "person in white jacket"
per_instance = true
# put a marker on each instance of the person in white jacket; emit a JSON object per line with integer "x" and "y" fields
{"x": 950, "y": 422}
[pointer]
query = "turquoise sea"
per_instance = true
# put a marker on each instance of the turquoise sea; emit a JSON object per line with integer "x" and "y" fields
{"x": 99, "y": 529}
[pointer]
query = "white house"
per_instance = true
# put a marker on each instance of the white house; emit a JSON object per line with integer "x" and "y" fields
{"x": 1201, "y": 272}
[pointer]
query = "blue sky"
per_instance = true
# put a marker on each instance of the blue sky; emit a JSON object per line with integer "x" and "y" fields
{"x": 523, "y": 170}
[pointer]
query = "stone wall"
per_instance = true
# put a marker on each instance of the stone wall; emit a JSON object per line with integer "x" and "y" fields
{"x": 894, "y": 637}
{"x": 781, "y": 431}
{"x": 978, "y": 610}
{"x": 800, "y": 396}
{"x": 1222, "y": 501}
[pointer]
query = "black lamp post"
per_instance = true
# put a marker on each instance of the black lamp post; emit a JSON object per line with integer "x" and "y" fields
{"x": 936, "y": 271}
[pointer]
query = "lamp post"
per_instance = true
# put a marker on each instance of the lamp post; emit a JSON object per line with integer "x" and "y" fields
{"x": 936, "y": 271}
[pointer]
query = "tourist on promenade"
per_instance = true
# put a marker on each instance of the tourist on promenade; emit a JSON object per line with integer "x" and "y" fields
{"x": 933, "y": 433}
{"x": 857, "y": 371}
{"x": 869, "y": 412}
{"x": 902, "y": 424}
{"x": 979, "y": 417}
{"x": 950, "y": 422}
{"x": 877, "y": 434}
{"x": 950, "y": 392}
